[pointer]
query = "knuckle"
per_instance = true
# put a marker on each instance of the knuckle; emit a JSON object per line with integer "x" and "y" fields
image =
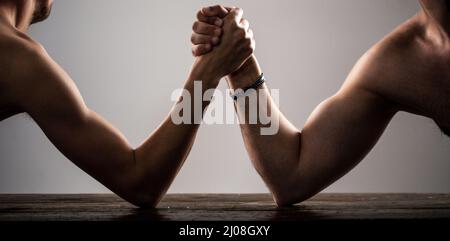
{"x": 195, "y": 25}
{"x": 248, "y": 43}
{"x": 211, "y": 29}
{"x": 242, "y": 33}
{"x": 249, "y": 49}
{"x": 199, "y": 13}
{"x": 204, "y": 48}
{"x": 206, "y": 40}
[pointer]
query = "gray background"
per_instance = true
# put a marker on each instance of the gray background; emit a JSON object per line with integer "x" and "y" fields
{"x": 128, "y": 56}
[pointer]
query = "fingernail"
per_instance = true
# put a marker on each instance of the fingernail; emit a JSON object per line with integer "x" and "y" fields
{"x": 218, "y": 22}
{"x": 218, "y": 31}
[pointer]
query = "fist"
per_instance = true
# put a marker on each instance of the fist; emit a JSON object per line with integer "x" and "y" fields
{"x": 225, "y": 48}
{"x": 207, "y": 30}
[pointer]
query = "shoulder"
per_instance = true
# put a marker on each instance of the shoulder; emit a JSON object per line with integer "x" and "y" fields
{"x": 16, "y": 42}
{"x": 29, "y": 73}
{"x": 22, "y": 58}
{"x": 19, "y": 54}
{"x": 387, "y": 60}
{"x": 382, "y": 71}
{"x": 400, "y": 43}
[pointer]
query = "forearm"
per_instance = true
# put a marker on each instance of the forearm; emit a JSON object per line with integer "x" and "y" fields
{"x": 161, "y": 156}
{"x": 140, "y": 176}
{"x": 275, "y": 156}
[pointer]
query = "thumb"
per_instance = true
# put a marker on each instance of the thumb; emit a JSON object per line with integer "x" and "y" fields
{"x": 235, "y": 15}
{"x": 215, "y": 11}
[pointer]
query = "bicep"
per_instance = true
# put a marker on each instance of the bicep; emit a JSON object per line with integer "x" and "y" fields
{"x": 51, "y": 98}
{"x": 338, "y": 135}
{"x": 344, "y": 128}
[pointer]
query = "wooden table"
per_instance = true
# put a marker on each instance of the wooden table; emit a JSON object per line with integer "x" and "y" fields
{"x": 224, "y": 207}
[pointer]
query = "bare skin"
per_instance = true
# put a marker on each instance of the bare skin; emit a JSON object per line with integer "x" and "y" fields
{"x": 31, "y": 82}
{"x": 408, "y": 70}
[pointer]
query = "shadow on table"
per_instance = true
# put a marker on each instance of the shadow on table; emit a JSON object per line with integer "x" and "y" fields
{"x": 294, "y": 213}
{"x": 138, "y": 214}
{"x": 298, "y": 213}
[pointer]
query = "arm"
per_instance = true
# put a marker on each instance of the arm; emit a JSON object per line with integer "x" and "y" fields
{"x": 296, "y": 164}
{"x": 142, "y": 175}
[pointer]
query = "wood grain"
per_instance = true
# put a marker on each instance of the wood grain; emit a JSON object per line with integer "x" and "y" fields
{"x": 223, "y": 207}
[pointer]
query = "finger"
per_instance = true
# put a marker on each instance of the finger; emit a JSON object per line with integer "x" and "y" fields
{"x": 197, "y": 39}
{"x": 235, "y": 15}
{"x": 250, "y": 34}
{"x": 201, "y": 49}
{"x": 210, "y": 20}
{"x": 207, "y": 29}
{"x": 245, "y": 24}
{"x": 215, "y": 11}
{"x": 230, "y": 8}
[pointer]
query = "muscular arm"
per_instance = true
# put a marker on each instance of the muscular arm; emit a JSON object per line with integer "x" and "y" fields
{"x": 297, "y": 164}
{"x": 140, "y": 176}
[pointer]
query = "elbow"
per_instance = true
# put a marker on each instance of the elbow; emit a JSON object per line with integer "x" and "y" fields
{"x": 282, "y": 201}
{"x": 143, "y": 200}
{"x": 139, "y": 191}
{"x": 285, "y": 197}
{"x": 286, "y": 200}
{"x": 142, "y": 196}
{"x": 145, "y": 204}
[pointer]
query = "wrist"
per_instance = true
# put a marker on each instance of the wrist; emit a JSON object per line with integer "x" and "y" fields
{"x": 203, "y": 70}
{"x": 246, "y": 75}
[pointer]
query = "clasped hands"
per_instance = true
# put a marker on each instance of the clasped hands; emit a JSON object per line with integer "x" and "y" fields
{"x": 223, "y": 43}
